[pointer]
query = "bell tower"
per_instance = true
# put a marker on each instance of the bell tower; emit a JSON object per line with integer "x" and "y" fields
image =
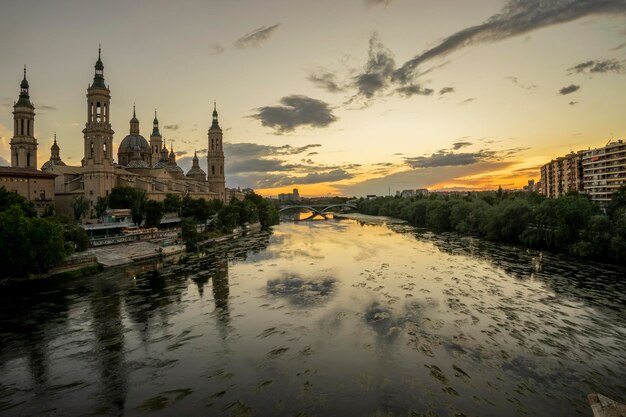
{"x": 215, "y": 159}
{"x": 156, "y": 141}
{"x": 98, "y": 176}
{"x": 23, "y": 143}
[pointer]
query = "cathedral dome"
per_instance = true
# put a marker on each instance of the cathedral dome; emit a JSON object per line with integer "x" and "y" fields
{"x": 134, "y": 142}
{"x": 133, "y": 147}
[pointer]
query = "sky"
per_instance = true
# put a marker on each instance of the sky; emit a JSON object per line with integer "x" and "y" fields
{"x": 349, "y": 97}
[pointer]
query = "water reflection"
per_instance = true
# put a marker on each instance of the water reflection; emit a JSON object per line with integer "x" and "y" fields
{"x": 320, "y": 318}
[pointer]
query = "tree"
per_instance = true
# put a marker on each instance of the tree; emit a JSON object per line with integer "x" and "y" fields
{"x": 172, "y": 203}
{"x": 138, "y": 207}
{"x": 29, "y": 244}
{"x": 11, "y": 198}
{"x": 80, "y": 205}
{"x": 77, "y": 236}
{"x": 188, "y": 232}
{"x": 154, "y": 213}
{"x": 101, "y": 206}
{"x": 122, "y": 197}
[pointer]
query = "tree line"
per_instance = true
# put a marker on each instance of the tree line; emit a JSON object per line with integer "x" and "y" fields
{"x": 33, "y": 245}
{"x": 572, "y": 223}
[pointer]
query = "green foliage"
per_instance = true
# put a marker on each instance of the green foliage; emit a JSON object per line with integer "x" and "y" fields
{"x": 122, "y": 197}
{"x": 77, "y": 236}
{"x": 154, "y": 213}
{"x": 80, "y": 206}
{"x": 101, "y": 206}
{"x": 11, "y": 198}
{"x": 572, "y": 223}
{"x": 189, "y": 233}
{"x": 172, "y": 203}
{"x": 29, "y": 245}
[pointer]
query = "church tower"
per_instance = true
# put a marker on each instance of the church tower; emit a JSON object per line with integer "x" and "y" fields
{"x": 156, "y": 142}
{"x": 215, "y": 159}
{"x": 98, "y": 176}
{"x": 23, "y": 143}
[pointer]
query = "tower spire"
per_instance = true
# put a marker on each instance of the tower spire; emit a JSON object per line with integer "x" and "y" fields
{"x": 98, "y": 78}
{"x": 215, "y": 124}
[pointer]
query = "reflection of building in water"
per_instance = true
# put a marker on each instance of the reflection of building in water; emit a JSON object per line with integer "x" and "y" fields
{"x": 219, "y": 275}
{"x": 27, "y": 330}
{"x": 109, "y": 344}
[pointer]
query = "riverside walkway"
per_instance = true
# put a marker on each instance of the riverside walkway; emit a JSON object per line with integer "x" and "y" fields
{"x": 126, "y": 253}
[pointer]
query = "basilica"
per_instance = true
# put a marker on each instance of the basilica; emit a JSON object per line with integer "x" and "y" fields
{"x": 142, "y": 163}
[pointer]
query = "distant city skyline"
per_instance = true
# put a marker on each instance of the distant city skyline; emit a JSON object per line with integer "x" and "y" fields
{"x": 353, "y": 98}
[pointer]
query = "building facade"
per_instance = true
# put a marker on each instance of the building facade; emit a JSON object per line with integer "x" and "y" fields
{"x": 562, "y": 175}
{"x": 604, "y": 171}
{"x": 22, "y": 177}
{"x": 142, "y": 164}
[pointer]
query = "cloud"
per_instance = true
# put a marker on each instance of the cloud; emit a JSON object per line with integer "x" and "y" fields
{"x": 458, "y": 145}
{"x": 618, "y": 47}
{"x": 295, "y": 111}
{"x": 171, "y": 127}
{"x": 216, "y": 49}
{"x": 273, "y": 181}
{"x": 515, "y": 81}
{"x": 517, "y": 17}
{"x": 414, "y": 89}
{"x": 446, "y": 90}
{"x": 256, "y": 37}
{"x": 466, "y": 101}
{"x": 420, "y": 178}
{"x": 44, "y": 107}
{"x": 443, "y": 158}
{"x": 600, "y": 66}
{"x": 573, "y": 103}
{"x": 569, "y": 89}
{"x": 377, "y": 71}
{"x": 326, "y": 80}
{"x": 383, "y": 3}
{"x": 180, "y": 153}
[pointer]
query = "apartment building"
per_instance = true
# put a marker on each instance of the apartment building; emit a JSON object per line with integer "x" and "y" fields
{"x": 562, "y": 175}
{"x": 604, "y": 171}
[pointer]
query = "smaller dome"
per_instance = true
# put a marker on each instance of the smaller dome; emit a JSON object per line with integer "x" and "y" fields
{"x": 50, "y": 163}
{"x": 174, "y": 168}
{"x": 137, "y": 163}
{"x": 24, "y": 83}
{"x": 161, "y": 164}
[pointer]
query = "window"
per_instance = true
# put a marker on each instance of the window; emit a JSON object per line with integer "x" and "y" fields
{"x": 28, "y": 128}
{"x": 22, "y": 126}
{"x": 213, "y": 169}
{"x": 92, "y": 149}
{"x": 28, "y": 159}
{"x": 98, "y": 112}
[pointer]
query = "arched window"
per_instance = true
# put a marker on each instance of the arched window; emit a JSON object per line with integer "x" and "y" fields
{"x": 213, "y": 169}
{"x": 98, "y": 112}
{"x": 104, "y": 149}
{"x": 28, "y": 159}
{"x": 28, "y": 128}
{"x": 92, "y": 149}
{"x": 17, "y": 159}
{"x": 221, "y": 170}
{"x": 22, "y": 126}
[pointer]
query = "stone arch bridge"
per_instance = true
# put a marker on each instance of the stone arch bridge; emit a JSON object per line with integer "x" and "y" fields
{"x": 318, "y": 210}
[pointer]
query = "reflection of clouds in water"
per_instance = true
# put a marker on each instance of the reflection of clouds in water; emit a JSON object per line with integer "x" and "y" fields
{"x": 302, "y": 292}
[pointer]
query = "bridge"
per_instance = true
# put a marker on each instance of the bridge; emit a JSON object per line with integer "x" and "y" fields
{"x": 319, "y": 210}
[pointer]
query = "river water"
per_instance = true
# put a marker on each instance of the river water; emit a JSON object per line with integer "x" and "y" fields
{"x": 330, "y": 318}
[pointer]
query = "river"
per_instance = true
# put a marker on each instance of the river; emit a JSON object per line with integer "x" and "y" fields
{"x": 330, "y": 318}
